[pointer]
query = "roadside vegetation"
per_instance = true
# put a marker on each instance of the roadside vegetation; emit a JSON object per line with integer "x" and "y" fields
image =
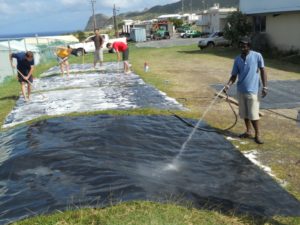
{"x": 186, "y": 73}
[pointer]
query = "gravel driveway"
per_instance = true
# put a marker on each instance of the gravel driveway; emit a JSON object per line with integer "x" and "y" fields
{"x": 174, "y": 41}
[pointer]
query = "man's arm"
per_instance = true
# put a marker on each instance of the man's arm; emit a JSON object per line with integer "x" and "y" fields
{"x": 263, "y": 76}
{"x": 230, "y": 82}
{"x": 11, "y": 60}
{"x": 234, "y": 73}
{"x": 118, "y": 55}
{"x": 30, "y": 73}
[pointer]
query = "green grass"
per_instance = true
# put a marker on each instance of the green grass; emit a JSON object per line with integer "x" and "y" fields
{"x": 150, "y": 213}
{"x": 136, "y": 213}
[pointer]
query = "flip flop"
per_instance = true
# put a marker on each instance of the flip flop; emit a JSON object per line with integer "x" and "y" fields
{"x": 258, "y": 140}
{"x": 245, "y": 135}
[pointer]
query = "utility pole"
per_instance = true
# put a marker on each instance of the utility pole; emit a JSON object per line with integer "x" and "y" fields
{"x": 94, "y": 18}
{"x": 182, "y": 7}
{"x": 115, "y": 21}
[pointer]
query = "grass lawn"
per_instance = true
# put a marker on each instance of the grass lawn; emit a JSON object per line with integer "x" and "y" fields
{"x": 186, "y": 73}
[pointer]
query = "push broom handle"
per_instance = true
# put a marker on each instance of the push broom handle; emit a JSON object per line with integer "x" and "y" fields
{"x": 28, "y": 81}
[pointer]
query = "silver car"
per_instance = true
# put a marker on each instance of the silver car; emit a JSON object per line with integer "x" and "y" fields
{"x": 214, "y": 39}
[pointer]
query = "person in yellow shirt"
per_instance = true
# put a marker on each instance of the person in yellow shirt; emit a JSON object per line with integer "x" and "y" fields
{"x": 63, "y": 54}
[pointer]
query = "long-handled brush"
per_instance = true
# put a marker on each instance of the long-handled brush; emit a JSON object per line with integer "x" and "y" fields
{"x": 30, "y": 83}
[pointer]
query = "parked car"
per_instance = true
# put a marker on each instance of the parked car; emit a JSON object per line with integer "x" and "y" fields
{"x": 182, "y": 29}
{"x": 190, "y": 34}
{"x": 214, "y": 39}
{"x": 161, "y": 34}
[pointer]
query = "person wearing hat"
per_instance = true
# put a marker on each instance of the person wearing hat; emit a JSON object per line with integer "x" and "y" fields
{"x": 249, "y": 68}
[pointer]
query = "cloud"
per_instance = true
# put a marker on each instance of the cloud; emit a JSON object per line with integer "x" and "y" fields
{"x": 5, "y": 8}
{"x": 22, "y": 7}
{"x": 73, "y": 2}
{"x": 61, "y": 14}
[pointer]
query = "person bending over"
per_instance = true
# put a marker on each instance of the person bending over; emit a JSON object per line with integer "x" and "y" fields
{"x": 118, "y": 47}
{"x": 25, "y": 68}
{"x": 63, "y": 54}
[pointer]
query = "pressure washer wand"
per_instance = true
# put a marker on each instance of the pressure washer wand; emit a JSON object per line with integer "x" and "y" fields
{"x": 199, "y": 121}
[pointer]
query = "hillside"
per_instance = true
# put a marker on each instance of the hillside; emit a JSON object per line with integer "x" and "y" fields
{"x": 101, "y": 22}
{"x": 189, "y": 6}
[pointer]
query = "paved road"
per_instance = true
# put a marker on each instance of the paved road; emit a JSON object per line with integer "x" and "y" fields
{"x": 169, "y": 42}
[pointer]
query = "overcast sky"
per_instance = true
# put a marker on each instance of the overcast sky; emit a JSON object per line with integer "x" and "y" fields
{"x": 27, "y": 16}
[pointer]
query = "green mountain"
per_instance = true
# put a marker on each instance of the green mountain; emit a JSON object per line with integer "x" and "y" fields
{"x": 101, "y": 22}
{"x": 188, "y": 6}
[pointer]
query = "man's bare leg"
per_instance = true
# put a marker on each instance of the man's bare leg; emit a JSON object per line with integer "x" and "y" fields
{"x": 61, "y": 69}
{"x": 255, "y": 124}
{"x": 23, "y": 89}
{"x": 28, "y": 91}
{"x": 126, "y": 67}
{"x": 67, "y": 68}
{"x": 248, "y": 126}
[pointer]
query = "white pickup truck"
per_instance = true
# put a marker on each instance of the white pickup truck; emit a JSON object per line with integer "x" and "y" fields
{"x": 88, "y": 45}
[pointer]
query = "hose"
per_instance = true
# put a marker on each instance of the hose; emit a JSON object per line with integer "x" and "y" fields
{"x": 219, "y": 131}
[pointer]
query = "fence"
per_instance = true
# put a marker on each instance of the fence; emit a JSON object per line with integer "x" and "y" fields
{"x": 43, "y": 49}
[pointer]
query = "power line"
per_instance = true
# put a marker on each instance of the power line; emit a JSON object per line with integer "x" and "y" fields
{"x": 115, "y": 21}
{"x": 93, "y": 9}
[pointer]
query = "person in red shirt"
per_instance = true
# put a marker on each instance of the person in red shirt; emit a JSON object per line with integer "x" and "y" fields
{"x": 118, "y": 47}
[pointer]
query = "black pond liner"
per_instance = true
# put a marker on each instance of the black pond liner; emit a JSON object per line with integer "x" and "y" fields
{"x": 65, "y": 163}
{"x": 282, "y": 94}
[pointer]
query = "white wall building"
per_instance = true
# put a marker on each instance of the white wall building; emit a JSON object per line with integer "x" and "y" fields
{"x": 214, "y": 19}
{"x": 169, "y": 16}
{"x": 278, "y": 18}
{"x": 190, "y": 18}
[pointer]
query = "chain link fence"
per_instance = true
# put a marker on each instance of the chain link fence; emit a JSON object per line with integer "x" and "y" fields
{"x": 43, "y": 49}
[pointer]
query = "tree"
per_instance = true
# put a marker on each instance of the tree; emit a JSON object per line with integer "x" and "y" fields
{"x": 237, "y": 27}
{"x": 176, "y": 22}
{"x": 80, "y": 35}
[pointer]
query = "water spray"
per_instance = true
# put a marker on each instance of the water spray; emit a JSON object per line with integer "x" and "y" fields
{"x": 174, "y": 164}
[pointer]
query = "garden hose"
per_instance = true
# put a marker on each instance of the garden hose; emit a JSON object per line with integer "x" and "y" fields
{"x": 220, "y": 131}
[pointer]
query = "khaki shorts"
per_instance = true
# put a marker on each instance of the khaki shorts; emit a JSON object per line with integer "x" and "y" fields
{"x": 248, "y": 106}
{"x": 98, "y": 55}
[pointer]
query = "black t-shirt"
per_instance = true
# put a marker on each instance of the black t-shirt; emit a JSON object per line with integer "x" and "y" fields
{"x": 98, "y": 41}
{"x": 24, "y": 65}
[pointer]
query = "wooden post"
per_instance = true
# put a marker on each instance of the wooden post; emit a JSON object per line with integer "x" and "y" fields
{"x": 9, "y": 50}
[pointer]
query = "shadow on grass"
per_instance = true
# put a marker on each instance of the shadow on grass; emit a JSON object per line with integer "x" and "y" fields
{"x": 12, "y": 97}
{"x": 230, "y": 208}
{"x": 229, "y": 52}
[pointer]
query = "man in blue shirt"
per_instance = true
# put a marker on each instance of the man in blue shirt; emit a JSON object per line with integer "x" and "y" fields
{"x": 25, "y": 67}
{"x": 249, "y": 69}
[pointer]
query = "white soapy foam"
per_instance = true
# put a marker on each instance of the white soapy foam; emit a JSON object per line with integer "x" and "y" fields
{"x": 252, "y": 156}
{"x": 57, "y": 95}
